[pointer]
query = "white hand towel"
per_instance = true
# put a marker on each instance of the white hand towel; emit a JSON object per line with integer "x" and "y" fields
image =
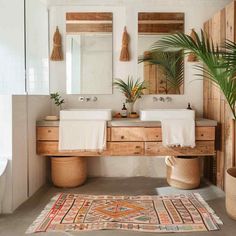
{"x": 178, "y": 132}
{"x": 82, "y": 135}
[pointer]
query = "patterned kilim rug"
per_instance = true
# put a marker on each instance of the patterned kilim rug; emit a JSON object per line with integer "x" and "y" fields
{"x": 173, "y": 213}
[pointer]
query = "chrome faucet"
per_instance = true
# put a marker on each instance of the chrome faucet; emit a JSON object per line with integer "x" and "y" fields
{"x": 88, "y": 99}
{"x": 162, "y": 99}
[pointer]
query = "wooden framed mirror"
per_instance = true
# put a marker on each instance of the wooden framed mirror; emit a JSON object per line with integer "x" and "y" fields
{"x": 164, "y": 73}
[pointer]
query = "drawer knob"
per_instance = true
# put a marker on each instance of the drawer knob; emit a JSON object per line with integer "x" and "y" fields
{"x": 137, "y": 147}
{"x": 202, "y": 135}
{"x": 49, "y": 131}
{"x": 122, "y": 137}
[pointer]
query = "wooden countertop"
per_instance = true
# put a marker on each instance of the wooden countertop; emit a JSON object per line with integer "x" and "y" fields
{"x": 123, "y": 122}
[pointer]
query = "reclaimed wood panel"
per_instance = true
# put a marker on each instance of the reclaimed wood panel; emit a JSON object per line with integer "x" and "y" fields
{"x": 230, "y": 10}
{"x": 220, "y": 27}
{"x": 172, "y": 16}
{"x": 78, "y": 28}
{"x": 88, "y": 16}
{"x": 160, "y": 28}
{"x": 203, "y": 148}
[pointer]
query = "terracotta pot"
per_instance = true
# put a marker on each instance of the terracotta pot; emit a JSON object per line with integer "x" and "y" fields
{"x": 183, "y": 172}
{"x": 230, "y": 192}
{"x": 68, "y": 172}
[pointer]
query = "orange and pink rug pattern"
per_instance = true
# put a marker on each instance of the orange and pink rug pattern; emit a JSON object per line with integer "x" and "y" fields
{"x": 174, "y": 213}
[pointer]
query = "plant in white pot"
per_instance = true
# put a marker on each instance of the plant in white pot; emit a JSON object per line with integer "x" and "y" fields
{"x": 218, "y": 66}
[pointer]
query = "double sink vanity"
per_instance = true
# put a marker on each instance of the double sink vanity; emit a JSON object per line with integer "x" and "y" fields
{"x": 129, "y": 137}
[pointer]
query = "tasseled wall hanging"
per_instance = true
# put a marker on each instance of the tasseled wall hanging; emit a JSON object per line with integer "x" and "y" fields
{"x": 192, "y": 57}
{"x": 57, "y": 47}
{"x": 124, "y": 54}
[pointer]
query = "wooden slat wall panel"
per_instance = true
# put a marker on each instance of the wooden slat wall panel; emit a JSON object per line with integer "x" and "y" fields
{"x": 160, "y": 28}
{"x": 77, "y": 22}
{"x": 87, "y": 16}
{"x": 160, "y": 23}
{"x": 161, "y": 16}
{"x": 230, "y": 21}
{"x": 220, "y": 27}
{"x": 77, "y": 28}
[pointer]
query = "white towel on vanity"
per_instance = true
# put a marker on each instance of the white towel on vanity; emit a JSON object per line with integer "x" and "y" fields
{"x": 82, "y": 135}
{"x": 178, "y": 132}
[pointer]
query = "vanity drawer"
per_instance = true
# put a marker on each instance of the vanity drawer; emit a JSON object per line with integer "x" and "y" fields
{"x": 205, "y": 133}
{"x": 47, "y": 133}
{"x": 152, "y": 134}
{"x": 50, "y": 148}
{"x": 203, "y": 148}
{"x": 47, "y": 148}
{"x": 127, "y": 134}
{"x": 52, "y": 133}
{"x": 126, "y": 148}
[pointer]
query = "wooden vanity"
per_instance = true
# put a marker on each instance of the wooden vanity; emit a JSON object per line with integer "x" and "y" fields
{"x": 131, "y": 137}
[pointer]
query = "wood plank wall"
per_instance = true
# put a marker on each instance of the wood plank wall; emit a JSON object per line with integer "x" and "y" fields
{"x": 220, "y": 27}
{"x": 78, "y": 22}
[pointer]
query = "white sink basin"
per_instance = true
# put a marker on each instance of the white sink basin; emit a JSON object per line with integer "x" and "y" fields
{"x": 86, "y": 114}
{"x": 160, "y": 114}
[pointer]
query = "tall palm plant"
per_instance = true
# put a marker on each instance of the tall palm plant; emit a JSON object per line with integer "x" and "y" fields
{"x": 171, "y": 62}
{"x": 218, "y": 66}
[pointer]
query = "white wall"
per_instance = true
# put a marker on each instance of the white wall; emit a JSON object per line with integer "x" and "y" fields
{"x": 12, "y": 79}
{"x": 37, "y": 60}
{"x": 38, "y": 108}
{"x": 125, "y": 12}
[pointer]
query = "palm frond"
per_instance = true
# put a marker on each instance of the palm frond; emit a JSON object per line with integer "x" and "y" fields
{"x": 219, "y": 65}
{"x": 172, "y": 64}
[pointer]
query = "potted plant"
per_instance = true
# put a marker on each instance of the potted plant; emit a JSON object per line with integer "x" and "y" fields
{"x": 131, "y": 90}
{"x": 218, "y": 66}
{"x": 58, "y": 101}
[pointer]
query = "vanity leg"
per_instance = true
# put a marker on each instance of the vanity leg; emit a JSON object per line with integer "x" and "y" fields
{"x": 68, "y": 172}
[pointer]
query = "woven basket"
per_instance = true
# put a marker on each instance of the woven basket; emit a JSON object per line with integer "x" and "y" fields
{"x": 183, "y": 173}
{"x": 68, "y": 172}
{"x": 230, "y": 192}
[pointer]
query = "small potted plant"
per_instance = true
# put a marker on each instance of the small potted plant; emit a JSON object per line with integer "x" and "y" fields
{"x": 58, "y": 101}
{"x": 132, "y": 91}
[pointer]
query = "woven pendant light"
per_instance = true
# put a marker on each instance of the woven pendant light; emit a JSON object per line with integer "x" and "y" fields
{"x": 192, "y": 57}
{"x": 57, "y": 47}
{"x": 124, "y": 54}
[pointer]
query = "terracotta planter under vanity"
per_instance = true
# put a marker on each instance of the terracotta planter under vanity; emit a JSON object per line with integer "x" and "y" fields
{"x": 183, "y": 172}
{"x": 68, "y": 172}
{"x": 230, "y": 192}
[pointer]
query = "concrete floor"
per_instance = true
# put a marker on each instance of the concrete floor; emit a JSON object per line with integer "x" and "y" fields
{"x": 16, "y": 224}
